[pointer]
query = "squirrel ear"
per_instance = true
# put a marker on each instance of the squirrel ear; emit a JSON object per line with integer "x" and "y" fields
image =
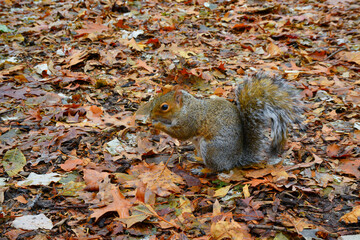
{"x": 178, "y": 96}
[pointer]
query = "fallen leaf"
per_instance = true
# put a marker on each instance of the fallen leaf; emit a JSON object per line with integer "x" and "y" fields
{"x": 349, "y": 56}
{"x": 92, "y": 28}
{"x": 119, "y": 205}
{"x": 216, "y": 208}
{"x": 92, "y": 179}
{"x": 332, "y": 150}
{"x": 134, "y": 45}
{"x": 32, "y": 222}
{"x": 21, "y": 199}
{"x": 229, "y": 229}
{"x": 13, "y": 162}
{"x": 221, "y": 192}
{"x": 246, "y": 191}
{"x": 71, "y": 164}
{"x": 96, "y": 111}
{"x": 351, "y": 217}
{"x": 40, "y": 179}
{"x": 350, "y": 167}
{"x": 273, "y": 50}
{"x": 143, "y": 64}
{"x": 138, "y": 214}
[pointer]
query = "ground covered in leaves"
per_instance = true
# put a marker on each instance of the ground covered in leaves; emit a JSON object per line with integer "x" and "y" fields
{"x": 74, "y": 163}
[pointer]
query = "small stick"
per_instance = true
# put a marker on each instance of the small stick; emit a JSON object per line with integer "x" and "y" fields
{"x": 334, "y": 53}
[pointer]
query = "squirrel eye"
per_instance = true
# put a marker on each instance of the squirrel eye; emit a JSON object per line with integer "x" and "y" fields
{"x": 164, "y": 107}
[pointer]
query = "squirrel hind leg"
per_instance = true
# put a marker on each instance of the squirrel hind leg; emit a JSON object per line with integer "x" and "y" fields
{"x": 216, "y": 158}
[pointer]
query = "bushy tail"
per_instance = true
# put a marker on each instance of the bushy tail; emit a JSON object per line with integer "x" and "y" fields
{"x": 267, "y": 106}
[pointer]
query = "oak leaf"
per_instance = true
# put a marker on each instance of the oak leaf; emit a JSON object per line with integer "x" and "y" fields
{"x": 119, "y": 205}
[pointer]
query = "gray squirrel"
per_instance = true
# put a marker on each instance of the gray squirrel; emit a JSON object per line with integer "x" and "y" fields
{"x": 228, "y": 135}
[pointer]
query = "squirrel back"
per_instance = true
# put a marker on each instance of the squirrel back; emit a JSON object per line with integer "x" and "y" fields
{"x": 228, "y": 135}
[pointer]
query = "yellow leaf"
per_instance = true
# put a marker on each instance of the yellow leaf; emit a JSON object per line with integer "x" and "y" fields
{"x": 13, "y": 162}
{"x": 246, "y": 191}
{"x": 134, "y": 45}
{"x": 216, "y": 208}
{"x": 229, "y": 229}
{"x": 222, "y": 191}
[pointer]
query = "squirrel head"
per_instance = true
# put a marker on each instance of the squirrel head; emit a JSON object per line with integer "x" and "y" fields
{"x": 167, "y": 106}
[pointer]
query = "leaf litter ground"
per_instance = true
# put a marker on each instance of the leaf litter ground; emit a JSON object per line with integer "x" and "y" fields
{"x": 74, "y": 159}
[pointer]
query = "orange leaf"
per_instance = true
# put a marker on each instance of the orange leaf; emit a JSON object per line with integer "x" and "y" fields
{"x": 92, "y": 179}
{"x": 349, "y": 56}
{"x": 351, "y": 217}
{"x": 219, "y": 92}
{"x": 21, "y": 199}
{"x": 92, "y": 28}
{"x": 333, "y": 150}
{"x": 71, "y": 164}
{"x": 350, "y": 167}
{"x": 144, "y": 65}
{"x": 229, "y": 229}
{"x": 97, "y": 111}
{"x": 273, "y": 50}
{"x": 119, "y": 205}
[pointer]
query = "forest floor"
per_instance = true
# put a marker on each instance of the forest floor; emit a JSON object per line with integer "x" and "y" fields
{"x": 76, "y": 164}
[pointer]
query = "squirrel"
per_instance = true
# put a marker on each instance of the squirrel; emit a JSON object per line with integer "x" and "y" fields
{"x": 226, "y": 135}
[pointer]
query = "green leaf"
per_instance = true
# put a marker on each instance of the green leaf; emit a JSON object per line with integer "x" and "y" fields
{"x": 13, "y": 162}
{"x": 4, "y": 28}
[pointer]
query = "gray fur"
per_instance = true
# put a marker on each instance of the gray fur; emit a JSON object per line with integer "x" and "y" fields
{"x": 226, "y": 135}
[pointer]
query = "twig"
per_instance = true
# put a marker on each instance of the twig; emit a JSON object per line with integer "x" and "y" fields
{"x": 334, "y": 53}
{"x": 267, "y": 227}
{"x": 165, "y": 165}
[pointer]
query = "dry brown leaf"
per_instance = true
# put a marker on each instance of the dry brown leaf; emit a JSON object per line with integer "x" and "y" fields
{"x": 119, "y": 205}
{"x": 143, "y": 64}
{"x": 259, "y": 172}
{"x": 351, "y": 217}
{"x": 229, "y": 229}
{"x": 21, "y": 199}
{"x": 96, "y": 111}
{"x": 246, "y": 191}
{"x": 350, "y": 167}
{"x": 254, "y": 182}
{"x": 216, "y": 208}
{"x": 221, "y": 192}
{"x": 133, "y": 44}
{"x": 93, "y": 178}
{"x": 160, "y": 180}
{"x": 333, "y": 150}
{"x": 298, "y": 223}
{"x": 71, "y": 164}
{"x": 349, "y": 56}
{"x": 92, "y": 28}
{"x": 273, "y": 50}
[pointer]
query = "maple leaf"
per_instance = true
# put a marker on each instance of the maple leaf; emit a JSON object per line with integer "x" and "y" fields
{"x": 119, "y": 205}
